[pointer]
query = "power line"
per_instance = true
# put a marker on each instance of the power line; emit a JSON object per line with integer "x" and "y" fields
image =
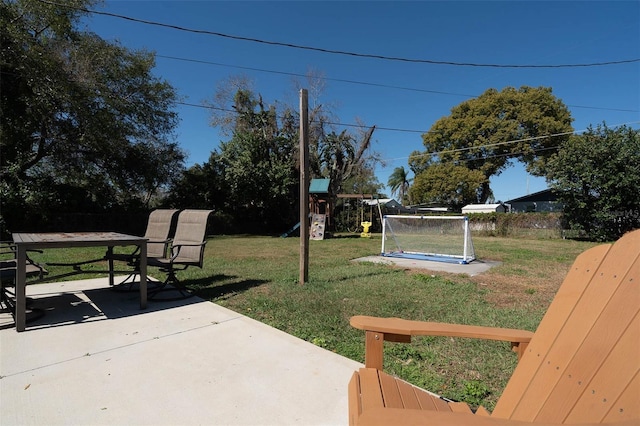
{"x": 487, "y": 157}
{"x": 338, "y": 52}
{"x": 391, "y": 129}
{"x": 339, "y": 80}
{"x": 395, "y": 129}
{"x": 533, "y": 138}
{"x": 412, "y": 89}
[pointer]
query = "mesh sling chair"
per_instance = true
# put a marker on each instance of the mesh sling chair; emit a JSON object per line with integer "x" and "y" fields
{"x": 157, "y": 234}
{"x": 8, "y": 266}
{"x": 186, "y": 249}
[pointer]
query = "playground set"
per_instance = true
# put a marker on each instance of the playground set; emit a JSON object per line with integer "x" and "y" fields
{"x": 321, "y": 212}
{"x": 430, "y": 238}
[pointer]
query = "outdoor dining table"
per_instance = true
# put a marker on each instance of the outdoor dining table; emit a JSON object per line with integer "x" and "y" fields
{"x": 30, "y": 241}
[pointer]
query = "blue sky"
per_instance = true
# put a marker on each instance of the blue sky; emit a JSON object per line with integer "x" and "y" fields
{"x": 406, "y": 96}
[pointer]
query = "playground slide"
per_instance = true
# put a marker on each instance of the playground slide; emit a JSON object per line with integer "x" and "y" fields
{"x": 290, "y": 231}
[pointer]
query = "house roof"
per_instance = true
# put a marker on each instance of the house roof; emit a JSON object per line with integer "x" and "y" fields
{"x": 482, "y": 208}
{"x": 544, "y": 195}
{"x": 319, "y": 186}
{"x": 389, "y": 202}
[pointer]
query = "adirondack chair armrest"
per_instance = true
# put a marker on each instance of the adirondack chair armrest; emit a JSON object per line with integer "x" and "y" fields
{"x": 397, "y": 416}
{"x": 400, "y": 330}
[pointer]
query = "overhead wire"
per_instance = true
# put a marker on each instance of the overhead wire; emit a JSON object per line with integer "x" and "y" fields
{"x": 339, "y": 80}
{"x": 171, "y": 26}
{"x": 533, "y": 138}
{"x": 363, "y": 55}
{"x": 450, "y": 151}
{"x": 412, "y": 89}
{"x": 335, "y": 51}
{"x": 392, "y": 129}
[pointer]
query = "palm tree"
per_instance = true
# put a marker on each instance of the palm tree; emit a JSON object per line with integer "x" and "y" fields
{"x": 399, "y": 183}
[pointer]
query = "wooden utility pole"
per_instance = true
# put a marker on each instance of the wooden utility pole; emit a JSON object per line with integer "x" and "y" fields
{"x": 304, "y": 186}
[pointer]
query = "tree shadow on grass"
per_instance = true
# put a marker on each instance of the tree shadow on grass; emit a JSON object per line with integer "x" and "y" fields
{"x": 204, "y": 289}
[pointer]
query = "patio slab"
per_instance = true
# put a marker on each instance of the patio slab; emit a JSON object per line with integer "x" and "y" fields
{"x": 476, "y": 267}
{"x": 96, "y": 358}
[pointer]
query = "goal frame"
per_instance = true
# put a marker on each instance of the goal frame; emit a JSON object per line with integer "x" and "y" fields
{"x": 468, "y": 252}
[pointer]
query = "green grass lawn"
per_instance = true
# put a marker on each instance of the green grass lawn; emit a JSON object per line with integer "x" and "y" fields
{"x": 258, "y": 276}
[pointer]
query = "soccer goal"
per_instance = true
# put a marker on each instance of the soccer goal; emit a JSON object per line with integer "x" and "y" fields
{"x": 440, "y": 238}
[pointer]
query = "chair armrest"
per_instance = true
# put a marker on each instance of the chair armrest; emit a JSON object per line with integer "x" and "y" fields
{"x": 190, "y": 244}
{"x": 8, "y": 247}
{"x": 175, "y": 253}
{"x": 395, "y": 416}
{"x": 400, "y": 330}
{"x": 167, "y": 241}
{"x": 134, "y": 256}
{"x": 404, "y": 327}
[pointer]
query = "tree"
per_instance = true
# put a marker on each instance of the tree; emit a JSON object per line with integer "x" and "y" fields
{"x": 597, "y": 178}
{"x": 399, "y": 183}
{"x": 447, "y": 184}
{"x": 345, "y": 158}
{"x": 85, "y": 123}
{"x": 201, "y": 186}
{"x": 253, "y": 175}
{"x": 260, "y": 161}
{"x": 486, "y": 132}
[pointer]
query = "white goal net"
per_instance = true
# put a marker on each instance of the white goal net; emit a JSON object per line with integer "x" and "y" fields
{"x": 440, "y": 238}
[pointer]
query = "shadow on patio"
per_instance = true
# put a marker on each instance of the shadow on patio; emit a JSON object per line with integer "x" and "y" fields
{"x": 96, "y": 358}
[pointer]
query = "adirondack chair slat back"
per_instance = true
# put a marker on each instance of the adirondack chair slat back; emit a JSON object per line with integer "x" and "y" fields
{"x": 583, "y": 362}
{"x": 191, "y": 232}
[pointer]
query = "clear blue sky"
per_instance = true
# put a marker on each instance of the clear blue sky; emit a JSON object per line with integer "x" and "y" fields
{"x": 407, "y": 96}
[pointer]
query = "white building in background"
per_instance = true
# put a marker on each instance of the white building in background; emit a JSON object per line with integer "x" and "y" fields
{"x": 484, "y": 208}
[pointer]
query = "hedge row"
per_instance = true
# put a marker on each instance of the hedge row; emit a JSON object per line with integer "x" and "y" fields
{"x": 541, "y": 225}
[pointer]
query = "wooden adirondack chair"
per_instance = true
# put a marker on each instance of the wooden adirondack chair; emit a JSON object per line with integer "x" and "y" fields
{"x": 582, "y": 365}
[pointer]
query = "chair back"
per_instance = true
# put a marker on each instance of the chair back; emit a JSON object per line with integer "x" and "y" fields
{"x": 583, "y": 363}
{"x": 190, "y": 236}
{"x": 9, "y": 264}
{"x": 158, "y": 229}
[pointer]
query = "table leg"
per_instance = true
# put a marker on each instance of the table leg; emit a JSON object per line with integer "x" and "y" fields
{"x": 143, "y": 275}
{"x": 110, "y": 259}
{"x": 21, "y": 284}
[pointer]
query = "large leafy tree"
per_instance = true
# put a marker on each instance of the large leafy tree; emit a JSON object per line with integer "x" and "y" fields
{"x": 85, "y": 124}
{"x": 344, "y": 160}
{"x": 448, "y": 185}
{"x": 251, "y": 178}
{"x": 597, "y": 178}
{"x": 487, "y": 132}
{"x": 259, "y": 171}
{"x": 260, "y": 160}
{"x": 201, "y": 186}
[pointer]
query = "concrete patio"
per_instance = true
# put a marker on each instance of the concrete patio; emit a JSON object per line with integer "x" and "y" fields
{"x": 476, "y": 267}
{"x": 96, "y": 358}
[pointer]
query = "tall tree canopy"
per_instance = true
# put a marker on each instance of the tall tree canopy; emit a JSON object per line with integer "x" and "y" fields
{"x": 448, "y": 185}
{"x": 85, "y": 124}
{"x": 597, "y": 178}
{"x": 258, "y": 166}
{"x": 487, "y": 132}
{"x": 250, "y": 179}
